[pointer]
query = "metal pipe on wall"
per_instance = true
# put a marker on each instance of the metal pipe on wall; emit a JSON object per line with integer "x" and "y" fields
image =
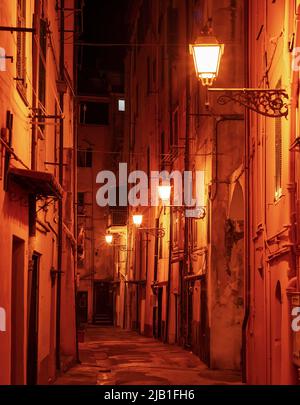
{"x": 60, "y": 203}
{"x": 246, "y": 208}
{"x": 184, "y": 316}
{"x": 294, "y": 215}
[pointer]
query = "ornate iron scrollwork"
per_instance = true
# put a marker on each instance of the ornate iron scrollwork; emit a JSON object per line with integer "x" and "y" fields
{"x": 157, "y": 232}
{"x": 268, "y": 102}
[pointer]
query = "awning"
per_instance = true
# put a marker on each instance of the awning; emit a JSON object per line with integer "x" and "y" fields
{"x": 42, "y": 184}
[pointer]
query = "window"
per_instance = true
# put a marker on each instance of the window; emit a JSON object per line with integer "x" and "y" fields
{"x": 151, "y": 75}
{"x": 148, "y": 75}
{"x": 121, "y": 105}
{"x": 173, "y": 32}
{"x": 162, "y": 150}
{"x": 21, "y": 48}
{"x": 160, "y": 24}
{"x": 80, "y": 203}
{"x": 154, "y": 71}
{"x": 175, "y": 132}
{"x": 137, "y": 99}
{"x": 162, "y": 69}
{"x": 93, "y": 113}
{"x": 85, "y": 158}
{"x": 143, "y": 21}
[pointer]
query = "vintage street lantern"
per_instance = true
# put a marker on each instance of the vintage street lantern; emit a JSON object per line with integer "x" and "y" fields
{"x": 207, "y": 53}
{"x": 108, "y": 238}
{"x": 164, "y": 193}
{"x": 137, "y": 219}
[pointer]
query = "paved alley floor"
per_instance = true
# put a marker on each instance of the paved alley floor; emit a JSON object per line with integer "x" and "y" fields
{"x": 112, "y": 356}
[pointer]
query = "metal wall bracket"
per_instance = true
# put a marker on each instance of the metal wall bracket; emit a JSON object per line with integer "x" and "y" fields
{"x": 11, "y": 58}
{"x": 268, "y": 102}
{"x": 18, "y": 29}
{"x": 157, "y": 232}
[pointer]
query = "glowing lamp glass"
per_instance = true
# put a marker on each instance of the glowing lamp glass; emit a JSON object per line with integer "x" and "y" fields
{"x": 108, "y": 238}
{"x": 164, "y": 193}
{"x": 207, "y": 57}
{"x": 137, "y": 219}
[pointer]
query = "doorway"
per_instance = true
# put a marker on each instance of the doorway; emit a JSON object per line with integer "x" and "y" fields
{"x": 276, "y": 315}
{"x": 103, "y": 303}
{"x": 190, "y": 298}
{"x": 33, "y": 311}
{"x": 82, "y": 306}
{"x": 17, "y": 312}
{"x": 159, "y": 312}
{"x": 204, "y": 340}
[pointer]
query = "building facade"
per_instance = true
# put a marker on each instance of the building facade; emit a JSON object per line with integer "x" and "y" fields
{"x": 175, "y": 282}
{"x": 272, "y": 352}
{"x": 100, "y": 137}
{"x": 223, "y": 284}
{"x": 37, "y": 191}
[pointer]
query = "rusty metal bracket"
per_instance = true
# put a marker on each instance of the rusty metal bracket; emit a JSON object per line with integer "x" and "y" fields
{"x": 267, "y": 102}
{"x": 157, "y": 232}
{"x": 18, "y": 29}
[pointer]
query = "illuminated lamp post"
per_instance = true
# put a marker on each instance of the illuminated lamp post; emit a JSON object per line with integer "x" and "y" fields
{"x": 207, "y": 53}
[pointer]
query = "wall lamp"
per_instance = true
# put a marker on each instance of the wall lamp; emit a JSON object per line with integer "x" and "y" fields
{"x": 164, "y": 193}
{"x": 207, "y": 53}
{"x": 109, "y": 238}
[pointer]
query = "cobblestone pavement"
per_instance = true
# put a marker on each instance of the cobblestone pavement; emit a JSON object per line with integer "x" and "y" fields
{"x": 111, "y": 356}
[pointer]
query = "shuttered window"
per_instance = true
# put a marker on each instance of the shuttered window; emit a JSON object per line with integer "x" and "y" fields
{"x": 173, "y": 32}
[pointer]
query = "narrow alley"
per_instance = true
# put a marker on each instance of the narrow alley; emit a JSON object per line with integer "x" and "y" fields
{"x": 149, "y": 194}
{"x": 111, "y": 356}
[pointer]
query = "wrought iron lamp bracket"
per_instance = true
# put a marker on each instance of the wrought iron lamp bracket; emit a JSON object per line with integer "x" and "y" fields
{"x": 157, "y": 232}
{"x": 123, "y": 248}
{"x": 270, "y": 103}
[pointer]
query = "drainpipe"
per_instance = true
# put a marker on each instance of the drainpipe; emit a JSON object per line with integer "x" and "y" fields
{"x": 60, "y": 202}
{"x": 247, "y": 206}
{"x": 75, "y": 200}
{"x": 156, "y": 252}
{"x": 169, "y": 277}
{"x": 170, "y": 81}
{"x": 294, "y": 216}
{"x": 185, "y": 271}
{"x": 34, "y": 93}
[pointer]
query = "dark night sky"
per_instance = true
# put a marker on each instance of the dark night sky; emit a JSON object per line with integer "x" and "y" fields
{"x": 104, "y": 21}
